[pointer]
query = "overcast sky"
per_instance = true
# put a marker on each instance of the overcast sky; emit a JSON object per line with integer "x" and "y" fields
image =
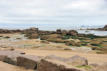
{"x": 72, "y": 12}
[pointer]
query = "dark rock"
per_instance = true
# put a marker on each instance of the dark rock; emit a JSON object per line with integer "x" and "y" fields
{"x": 58, "y": 31}
{"x": 73, "y": 33}
{"x": 105, "y": 27}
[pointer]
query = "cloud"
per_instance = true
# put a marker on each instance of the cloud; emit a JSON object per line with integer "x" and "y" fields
{"x": 86, "y": 7}
{"x": 53, "y": 11}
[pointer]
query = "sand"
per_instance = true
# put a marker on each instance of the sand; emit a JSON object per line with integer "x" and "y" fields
{"x": 8, "y": 67}
{"x": 92, "y": 57}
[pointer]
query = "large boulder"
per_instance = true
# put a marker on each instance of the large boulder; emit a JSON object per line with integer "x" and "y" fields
{"x": 32, "y": 35}
{"x": 73, "y": 33}
{"x": 53, "y": 38}
{"x": 28, "y": 61}
{"x": 10, "y": 56}
{"x": 105, "y": 27}
{"x": 59, "y": 31}
{"x": 31, "y": 30}
{"x": 77, "y": 61}
{"x": 52, "y": 65}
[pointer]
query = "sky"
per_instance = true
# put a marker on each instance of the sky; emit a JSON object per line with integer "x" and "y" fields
{"x": 52, "y": 13}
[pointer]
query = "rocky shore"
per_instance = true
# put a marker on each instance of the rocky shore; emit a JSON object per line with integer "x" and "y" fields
{"x": 59, "y": 40}
{"x": 49, "y": 63}
{"x": 100, "y": 29}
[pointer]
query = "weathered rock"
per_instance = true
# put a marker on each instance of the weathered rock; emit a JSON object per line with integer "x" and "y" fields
{"x": 73, "y": 33}
{"x": 72, "y": 43}
{"x": 51, "y": 65}
{"x": 77, "y": 61}
{"x": 10, "y": 56}
{"x": 100, "y": 67}
{"x": 105, "y": 27}
{"x": 53, "y": 57}
{"x": 31, "y": 30}
{"x": 9, "y": 31}
{"x": 45, "y": 32}
{"x": 53, "y": 38}
{"x": 2, "y": 57}
{"x": 45, "y": 41}
{"x": 59, "y": 31}
{"x": 94, "y": 65}
{"x": 32, "y": 36}
{"x": 28, "y": 61}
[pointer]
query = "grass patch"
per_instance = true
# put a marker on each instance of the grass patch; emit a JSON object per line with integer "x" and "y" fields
{"x": 85, "y": 67}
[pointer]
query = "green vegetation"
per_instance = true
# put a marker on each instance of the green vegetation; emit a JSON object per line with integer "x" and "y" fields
{"x": 74, "y": 37}
{"x": 66, "y": 37}
{"x": 85, "y": 67}
{"x": 97, "y": 45}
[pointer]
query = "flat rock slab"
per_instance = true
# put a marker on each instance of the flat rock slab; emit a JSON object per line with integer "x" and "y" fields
{"x": 28, "y": 61}
{"x": 75, "y": 60}
{"x": 50, "y": 65}
{"x": 10, "y": 56}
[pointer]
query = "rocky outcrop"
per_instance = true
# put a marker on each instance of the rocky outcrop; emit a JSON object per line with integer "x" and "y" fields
{"x": 73, "y": 43}
{"x": 77, "y": 61}
{"x": 31, "y": 30}
{"x": 10, "y": 31}
{"x": 51, "y": 65}
{"x": 53, "y": 57}
{"x": 105, "y": 27}
{"x": 28, "y": 61}
{"x": 99, "y": 67}
{"x": 32, "y": 35}
{"x": 10, "y": 56}
{"x": 53, "y": 38}
{"x": 73, "y": 33}
{"x": 74, "y": 61}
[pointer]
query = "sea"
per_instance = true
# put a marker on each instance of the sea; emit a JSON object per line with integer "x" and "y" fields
{"x": 53, "y": 27}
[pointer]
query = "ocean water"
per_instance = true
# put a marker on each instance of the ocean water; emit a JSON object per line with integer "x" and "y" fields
{"x": 48, "y": 26}
{"x": 53, "y": 27}
{"x": 99, "y": 33}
